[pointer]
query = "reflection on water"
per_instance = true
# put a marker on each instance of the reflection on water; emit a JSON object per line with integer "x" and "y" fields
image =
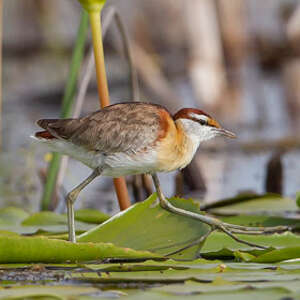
{"x": 228, "y": 174}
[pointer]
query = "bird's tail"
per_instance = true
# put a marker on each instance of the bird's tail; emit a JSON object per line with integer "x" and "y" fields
{"x": 56, "y": 128}
{"x": 45, "y": 134}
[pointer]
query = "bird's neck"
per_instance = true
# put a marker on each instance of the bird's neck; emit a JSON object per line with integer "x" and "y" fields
{"x": 187, "y": 143}
{"x": 177, "y": 148}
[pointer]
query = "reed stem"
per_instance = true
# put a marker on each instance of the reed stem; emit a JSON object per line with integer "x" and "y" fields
{"x": 95, "y": 20}
{"x": 1, "y": 30}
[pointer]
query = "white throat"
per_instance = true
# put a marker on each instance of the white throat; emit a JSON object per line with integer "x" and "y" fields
{"x": 197, "y": 132}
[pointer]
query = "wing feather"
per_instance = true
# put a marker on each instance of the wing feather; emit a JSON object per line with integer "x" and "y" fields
{"x": 123, "y": 127}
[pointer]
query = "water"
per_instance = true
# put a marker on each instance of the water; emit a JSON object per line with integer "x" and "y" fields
{"x": 230, "y": 170}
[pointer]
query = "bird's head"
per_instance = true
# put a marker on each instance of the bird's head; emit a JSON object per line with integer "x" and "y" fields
{"x": 200, "y": 125}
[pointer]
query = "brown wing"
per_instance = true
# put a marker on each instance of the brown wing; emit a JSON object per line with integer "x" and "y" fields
{"x": 116, "y": 128}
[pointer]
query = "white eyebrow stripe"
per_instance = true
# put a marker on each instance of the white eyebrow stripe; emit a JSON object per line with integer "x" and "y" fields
{"x": 199, "y": 117}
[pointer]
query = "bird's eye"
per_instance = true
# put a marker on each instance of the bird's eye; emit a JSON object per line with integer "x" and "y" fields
{"x": 202, "y": 122}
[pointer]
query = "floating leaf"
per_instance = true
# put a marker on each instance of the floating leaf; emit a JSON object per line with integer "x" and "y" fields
{"x": 264, "y": 221}
{"x": 219, "y": 244}
{"x": 46, "y": 292}
{"x": 41, "y": 249}
{"x": 270, "y": 203}
{"x": 146, "y": 226}
{"x": 278, "y": 255}
{"x": 46, "y": 222}
{"x": 45, "y": 229}
{"x": 12, "y": 215}
{"x": 91, "y": 216}
{"x": 45, "y": 218}
{"x": 7, "y": 233}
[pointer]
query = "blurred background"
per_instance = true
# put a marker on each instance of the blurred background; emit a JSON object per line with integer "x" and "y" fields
{"x": 238, "y": 60}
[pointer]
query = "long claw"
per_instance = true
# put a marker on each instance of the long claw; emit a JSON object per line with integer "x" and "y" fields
{"x": 194, "y": 243}
{"x": 228, "y": 232}
{"x": 214, "y": 223}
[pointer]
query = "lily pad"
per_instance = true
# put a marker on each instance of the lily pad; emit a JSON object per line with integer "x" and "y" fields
{"x": 146, "y": 226}
{"x": 12, "y": 215}
{"x": 46, "y": 222}
{"x": 278, "y": 255}
{"x": 46, "y": 292}
{"x": 219, "y": 244}
{"x": 42, "y": 249}
{"x": 45, "y": 218}
{"x": 91, "y": 216}
{"x": 265, "y": 221}
{"x": 45, "y": 229}
{"x": 269, "y": 203}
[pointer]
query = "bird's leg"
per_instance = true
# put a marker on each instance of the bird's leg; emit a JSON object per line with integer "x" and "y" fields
{"x": 71, "y": 198}
{"x": 227, "y": 228}
{"x": 193, "y": 243}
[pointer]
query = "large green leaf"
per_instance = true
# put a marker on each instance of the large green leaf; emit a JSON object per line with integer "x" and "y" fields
{"x": 45, "y": 218}
{"x": 278, "y": 255}
{"x": 12, "y": 215}
{"x": 47, "y": 222}
{"x": 45, "y": 292}
{"x": 42, "y": 249}
{"x": 146, "y": 226}
{"x": 269, "y": 203}
{"x": 219, "y": 244}
{"x": 91, "y": 216}
{"x": 265, "y": 221}
{"x": 44, "y": 229}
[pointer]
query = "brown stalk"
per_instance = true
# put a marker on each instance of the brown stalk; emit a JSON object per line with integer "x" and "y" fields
{"x": 1, "y": 24}
{"x": 120, "y": 184}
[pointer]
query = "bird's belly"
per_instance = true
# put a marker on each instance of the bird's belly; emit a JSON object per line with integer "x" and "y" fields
{"x": 91, "y": 159}
{"x": 114, "y": 165}
{"x": 120, "y": 164}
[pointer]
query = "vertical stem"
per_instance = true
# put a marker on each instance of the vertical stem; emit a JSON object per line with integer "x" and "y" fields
{"x": 49, "y": 187}
{"x": 99, "y": 58}
{"x": 122, "y": 193}
{"x": 77, "y": 57}
{"x": 1, "y": 24}
{"x": 66, "y": 109}
{"x": 95, "y": 20}
{"x": 128, "y": 53}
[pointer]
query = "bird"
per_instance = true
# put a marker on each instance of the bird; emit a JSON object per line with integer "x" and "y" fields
{"x": 132, "y": 138}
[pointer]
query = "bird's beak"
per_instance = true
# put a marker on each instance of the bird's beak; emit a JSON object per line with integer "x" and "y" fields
{"x": 220, "y": 131}
{"x": 226, "y": 133}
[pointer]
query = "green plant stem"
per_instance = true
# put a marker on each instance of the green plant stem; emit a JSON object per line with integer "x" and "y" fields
{"x": 50, "y": 181}
{"x": 128, "y": 54}
{"x": 77, "y": 58}
{"x": 66, "y": 110}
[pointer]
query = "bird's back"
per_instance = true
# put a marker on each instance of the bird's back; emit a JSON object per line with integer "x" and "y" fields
{"x": 123, "y": 127}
